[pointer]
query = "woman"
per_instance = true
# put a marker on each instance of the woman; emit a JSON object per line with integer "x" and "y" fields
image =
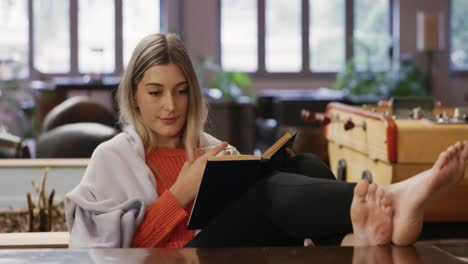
{"x": 139, "y": 186}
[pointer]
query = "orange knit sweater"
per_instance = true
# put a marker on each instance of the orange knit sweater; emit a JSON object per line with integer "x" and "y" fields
{"x": 165, "y": 221}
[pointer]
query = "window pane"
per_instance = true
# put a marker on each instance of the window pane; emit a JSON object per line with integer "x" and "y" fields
{"x": 140, "y": 18}
{"x": 51, "y": 36}
{"x": 327, "y": 35}
{"x": 459, "y": 35}
{"x": 14, "y": 39}
{"x": 372, "y": 34}
{"x": 239, "y": 35}
{"x": 283, "y": 52}
{"x": 96, "y": 36}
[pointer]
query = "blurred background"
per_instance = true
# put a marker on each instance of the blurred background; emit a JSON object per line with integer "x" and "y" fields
{"x": 259, "y": 61}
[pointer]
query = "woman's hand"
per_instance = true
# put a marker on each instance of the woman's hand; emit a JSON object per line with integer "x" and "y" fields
{"x": 290, "y": 152}
{"x": 186, "y": 186}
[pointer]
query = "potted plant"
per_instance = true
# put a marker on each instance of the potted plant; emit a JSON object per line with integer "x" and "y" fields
{"x": 230, "y": 85}
{"x": 403, "y": 79}
{"x": 231, "y": 102}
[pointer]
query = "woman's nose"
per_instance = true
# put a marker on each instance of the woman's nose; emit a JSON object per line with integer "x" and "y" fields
{"x": 169, "y": 103}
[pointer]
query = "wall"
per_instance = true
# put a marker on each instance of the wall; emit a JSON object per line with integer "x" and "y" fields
{"x": 442, "y": 85}
{"x": 459, "y": 91}
{"x": 199, "y": 27}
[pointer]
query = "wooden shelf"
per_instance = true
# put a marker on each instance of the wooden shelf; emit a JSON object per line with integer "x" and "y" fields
{"x": 34, "y": 240}
{"x": 42, "y": 163}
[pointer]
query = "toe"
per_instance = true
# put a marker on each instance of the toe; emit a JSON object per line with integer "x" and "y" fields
{"x": 459, "y": 146}
{"x": 388, "y": 210}
{"x": 371, "y": 192}
{"x": 464, "y": 148}
{"x": 360, "y": 190}
{"x": 464, "y": 151}
{"x": 379, "y": 195}
{"x": 386, "y": 202}
{"x": 442, "y": 159}
{"x": 452, "y": 150}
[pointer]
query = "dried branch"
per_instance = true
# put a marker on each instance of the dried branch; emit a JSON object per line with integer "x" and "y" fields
{"x": 41, "y": 199}
{"x": 50, "y": 208}
{"x": 42, "y": 220}
{"x": 30, "y": 211}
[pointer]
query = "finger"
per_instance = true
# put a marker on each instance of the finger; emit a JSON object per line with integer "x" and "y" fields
{"x": 215, "y": 151}
{"x": 305, "y": 114}
{"x": 290, "y": 153}
{"x": 186, "y": 165}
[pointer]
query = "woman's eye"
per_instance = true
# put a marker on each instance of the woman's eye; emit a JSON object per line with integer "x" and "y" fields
{"x": 155, "y": 93}
{"x": 183, "y": 91}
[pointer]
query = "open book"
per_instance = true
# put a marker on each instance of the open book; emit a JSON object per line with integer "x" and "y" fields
{"x": 226, "y": 178}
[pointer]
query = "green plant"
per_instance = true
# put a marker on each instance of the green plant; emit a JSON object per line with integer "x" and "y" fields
{"x": 230, "y": 84}
{"x": 403, "y": 79}
{"x": 360, "y": 82}
{"x": 406, "y": 80}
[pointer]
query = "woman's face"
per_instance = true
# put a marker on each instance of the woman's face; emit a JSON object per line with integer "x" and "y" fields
{"x": 162, "y": 98}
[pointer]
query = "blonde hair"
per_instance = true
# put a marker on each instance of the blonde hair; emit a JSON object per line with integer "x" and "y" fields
{"x": 161, "y": 49}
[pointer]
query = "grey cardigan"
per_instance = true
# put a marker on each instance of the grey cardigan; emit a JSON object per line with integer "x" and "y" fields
{"x": 109, "y": 203}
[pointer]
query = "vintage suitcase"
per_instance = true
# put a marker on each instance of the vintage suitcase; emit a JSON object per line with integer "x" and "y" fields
{"x": 370, "y": 142}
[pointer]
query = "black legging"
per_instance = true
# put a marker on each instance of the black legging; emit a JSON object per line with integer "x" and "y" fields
{"x": 303, "y": 201}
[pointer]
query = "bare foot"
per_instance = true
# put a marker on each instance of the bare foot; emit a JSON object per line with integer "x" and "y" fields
{"x": 411, "y": 196}
{"x": 371, "y": 215}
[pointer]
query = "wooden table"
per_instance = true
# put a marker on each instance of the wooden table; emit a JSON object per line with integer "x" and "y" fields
{"x": 449, "y": 252}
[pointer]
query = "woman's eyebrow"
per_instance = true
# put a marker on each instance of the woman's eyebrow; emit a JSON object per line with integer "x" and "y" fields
{"x": 181, "y": 83}
{"x": 154, "y": 84}
{"x": 161, "y": 85}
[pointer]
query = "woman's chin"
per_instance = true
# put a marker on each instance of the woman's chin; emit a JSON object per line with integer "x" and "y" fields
{"x": 169, "y": 133}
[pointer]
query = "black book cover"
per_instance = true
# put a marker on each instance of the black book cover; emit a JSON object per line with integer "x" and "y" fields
{"x": 224, "y": 181}
{"x": 220, "y": 187}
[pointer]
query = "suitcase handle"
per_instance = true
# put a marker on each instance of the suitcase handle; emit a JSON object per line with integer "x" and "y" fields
{"x": 367, "y": 175}
{"x": 341, "y": 171}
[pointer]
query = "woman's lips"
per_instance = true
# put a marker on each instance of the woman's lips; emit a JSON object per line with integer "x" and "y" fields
{"x": 168, "y": 120}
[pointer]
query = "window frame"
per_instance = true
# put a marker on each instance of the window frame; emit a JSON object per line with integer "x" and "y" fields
{"x": 305, "y": 72}
{"x": 35, "y": 74}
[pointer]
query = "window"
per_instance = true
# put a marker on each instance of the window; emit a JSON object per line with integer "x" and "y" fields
{"x": 305, "y": 36}
{"x": 459, "y": 35}
{"x": 239, "y": 35}
{"x": 283, "y": 36}
{"x": 138, "y": 17}
{"x": 14, "y": 48}
{"x": 51, "y": 36}
{"x": 72, "y": 37}
{"x": 96, "y": 36}
{"x": 371, "y": 34}
{"x": 327, "y": 35}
